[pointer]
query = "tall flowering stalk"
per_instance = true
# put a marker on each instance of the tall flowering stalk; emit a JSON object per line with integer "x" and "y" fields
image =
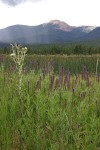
{"x": 97, "y": 63}
{"x": 18, "y": 55}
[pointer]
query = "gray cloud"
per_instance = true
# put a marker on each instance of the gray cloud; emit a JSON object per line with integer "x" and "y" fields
{"x": 17, "y": 2}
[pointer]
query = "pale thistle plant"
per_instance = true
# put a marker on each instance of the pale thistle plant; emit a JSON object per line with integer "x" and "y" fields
{"x": 97, "y": 63}
{"x": 18, "y": 55}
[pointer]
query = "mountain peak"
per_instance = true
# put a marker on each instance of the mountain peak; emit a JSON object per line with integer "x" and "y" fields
{"x": 60, "y": 25}
{"x": 56, "y": 22}
{"x": 86, "y": 29}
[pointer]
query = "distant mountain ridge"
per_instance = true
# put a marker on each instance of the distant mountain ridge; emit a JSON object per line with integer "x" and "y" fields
{"x": 54, "y": 31}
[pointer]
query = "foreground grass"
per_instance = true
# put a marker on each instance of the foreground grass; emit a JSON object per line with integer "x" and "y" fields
{"x": 54, "y": 112}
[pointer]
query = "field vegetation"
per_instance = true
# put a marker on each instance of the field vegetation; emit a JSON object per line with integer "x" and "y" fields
{"x": 58, "y": 107}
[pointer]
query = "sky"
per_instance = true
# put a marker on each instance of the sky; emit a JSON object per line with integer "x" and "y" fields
{"x": 35, "y": 12}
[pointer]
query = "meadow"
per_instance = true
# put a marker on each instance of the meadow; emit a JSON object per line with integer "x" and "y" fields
{"x": 58, "y": 107}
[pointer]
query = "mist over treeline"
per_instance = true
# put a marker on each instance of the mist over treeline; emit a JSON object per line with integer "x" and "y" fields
{"x": 84, "y": 48}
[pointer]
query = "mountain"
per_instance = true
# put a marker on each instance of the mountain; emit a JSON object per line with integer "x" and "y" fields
{"x": 2, "y": 45}
{"x": 93, "y": 35}
{"x": 54, "y": 31}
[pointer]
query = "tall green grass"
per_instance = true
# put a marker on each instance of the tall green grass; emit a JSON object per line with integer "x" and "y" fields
{"x": 56, "y": 111}
{"x": 72, "y": 63}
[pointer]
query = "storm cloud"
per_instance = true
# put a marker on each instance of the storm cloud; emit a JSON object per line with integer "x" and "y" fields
{"x": 17, "y": 2}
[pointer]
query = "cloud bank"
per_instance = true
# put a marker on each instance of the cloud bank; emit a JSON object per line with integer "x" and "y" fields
{"x": 17, "y": 2}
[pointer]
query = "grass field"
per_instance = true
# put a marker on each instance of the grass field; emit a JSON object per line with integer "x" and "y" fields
{"x": 72, "y": 63}
{"x": 58, "y": 107}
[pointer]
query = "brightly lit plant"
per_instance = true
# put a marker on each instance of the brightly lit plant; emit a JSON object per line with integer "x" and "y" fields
{"x": 97, "y": 63}
{"x": 18, "y": 55}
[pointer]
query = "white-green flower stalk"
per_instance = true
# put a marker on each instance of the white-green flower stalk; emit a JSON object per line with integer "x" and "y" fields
{"x": 18, "y": 55}
{"x": 97, "y": 63}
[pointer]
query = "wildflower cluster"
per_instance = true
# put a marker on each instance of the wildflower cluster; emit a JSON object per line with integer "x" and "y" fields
{"x": 18, "y": 54}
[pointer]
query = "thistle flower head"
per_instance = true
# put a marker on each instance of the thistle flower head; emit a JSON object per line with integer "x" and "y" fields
{"x": 12, "y": 55}
{"x": 24, "y": 49}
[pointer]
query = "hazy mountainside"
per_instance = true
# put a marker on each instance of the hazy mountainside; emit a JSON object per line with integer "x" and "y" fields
{"x": 94, "y": 34}
{"x": 2, "y": 45}
{"x": 54, "y": 31}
